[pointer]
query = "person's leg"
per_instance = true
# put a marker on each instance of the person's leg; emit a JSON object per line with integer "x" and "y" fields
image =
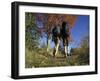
{"x": 65, "y": 47}
{"x": 65, "y": 50}
{"x": 57, "y": 46}
{"x": 57, "y": 41}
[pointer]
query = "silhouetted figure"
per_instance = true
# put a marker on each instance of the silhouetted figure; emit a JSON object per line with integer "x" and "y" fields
{"x": 56, "y": 35}
{"x": 65, "y": 36}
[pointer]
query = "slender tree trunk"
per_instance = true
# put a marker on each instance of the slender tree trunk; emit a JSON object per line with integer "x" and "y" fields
{"x": 48, "y": 42}
{"x": 67, "y": 47}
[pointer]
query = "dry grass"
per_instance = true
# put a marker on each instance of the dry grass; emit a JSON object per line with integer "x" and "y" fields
{"x": 40, "y": 58}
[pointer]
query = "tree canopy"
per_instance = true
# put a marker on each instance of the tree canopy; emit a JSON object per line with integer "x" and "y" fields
{"x": 37, "y": 23}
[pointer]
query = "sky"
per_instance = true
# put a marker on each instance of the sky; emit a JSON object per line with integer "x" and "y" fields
{"x": 79, "y": 30}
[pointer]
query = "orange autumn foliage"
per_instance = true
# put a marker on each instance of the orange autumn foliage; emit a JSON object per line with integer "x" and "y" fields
{"x": 50, "y": 20}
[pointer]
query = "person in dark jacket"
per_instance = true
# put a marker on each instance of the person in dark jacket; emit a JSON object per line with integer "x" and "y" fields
{"x": 56, "y": 35}
{"x": 65, "y": 36}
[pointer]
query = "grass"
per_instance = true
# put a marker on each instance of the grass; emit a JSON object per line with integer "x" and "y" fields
{"x": 40, "y": 58}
